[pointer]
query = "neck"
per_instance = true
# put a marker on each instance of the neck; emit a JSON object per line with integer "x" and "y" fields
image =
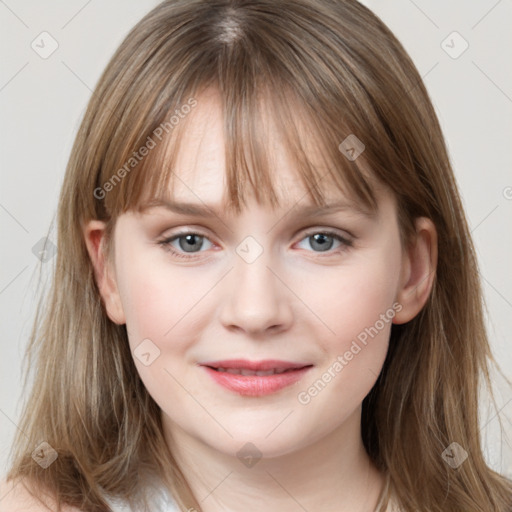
{"x": 333, "y": 473}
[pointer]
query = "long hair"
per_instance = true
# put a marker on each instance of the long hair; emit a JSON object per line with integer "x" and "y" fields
{"x": 324, "y": 70}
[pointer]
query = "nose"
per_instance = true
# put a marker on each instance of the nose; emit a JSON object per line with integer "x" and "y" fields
{"x": 257, "y": 301}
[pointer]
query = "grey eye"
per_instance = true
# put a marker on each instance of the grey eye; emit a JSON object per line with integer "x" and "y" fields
{"x": 188, "y": 242}
{"x": 321, "y": 241}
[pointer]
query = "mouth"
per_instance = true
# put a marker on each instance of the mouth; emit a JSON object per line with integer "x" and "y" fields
{"x": 249, "y": 378}
{"x": 246, "y": 372}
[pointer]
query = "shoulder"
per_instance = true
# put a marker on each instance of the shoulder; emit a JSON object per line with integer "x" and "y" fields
{"x": 15, "y": 497}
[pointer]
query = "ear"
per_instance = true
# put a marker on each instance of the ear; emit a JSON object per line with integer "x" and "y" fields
{"x": 95, "y": 239}
{"x": 418, "y": 271}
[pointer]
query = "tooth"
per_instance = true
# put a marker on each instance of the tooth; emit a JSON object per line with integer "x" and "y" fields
{"x": 260, "y": 373}
{"x": 263, "y": 373}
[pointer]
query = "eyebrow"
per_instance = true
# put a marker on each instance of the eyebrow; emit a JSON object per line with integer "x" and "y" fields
{"x": 204, "y": 210}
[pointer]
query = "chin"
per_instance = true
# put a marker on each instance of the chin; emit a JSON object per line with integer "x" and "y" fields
{"x": 260, "y": 442}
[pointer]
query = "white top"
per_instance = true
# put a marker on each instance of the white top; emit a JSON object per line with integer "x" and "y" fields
{"x": 167, "y": 504}
{"x": 163, "y": 502}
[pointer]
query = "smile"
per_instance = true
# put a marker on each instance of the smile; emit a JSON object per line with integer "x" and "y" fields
{"x": 255, "y": 378}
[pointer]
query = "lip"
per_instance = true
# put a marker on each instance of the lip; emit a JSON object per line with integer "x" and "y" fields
{"x": 267, "y": 364}
{"x": 256, "y": 385}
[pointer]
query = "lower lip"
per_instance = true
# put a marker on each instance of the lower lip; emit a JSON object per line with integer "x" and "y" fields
{"x": 254, "y": 385}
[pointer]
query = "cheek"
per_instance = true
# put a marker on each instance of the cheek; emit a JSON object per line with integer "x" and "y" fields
{"x": 365, "y": 291}
{"x": 155, "y": 297}
{"x": 149, "y": 301}
{"x": 169, "y": 306}
{"x": 160, "y": 304}
{"x": 359, "y": 311}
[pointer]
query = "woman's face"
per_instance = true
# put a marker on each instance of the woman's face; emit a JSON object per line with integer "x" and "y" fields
{"x": 262, "y": 286}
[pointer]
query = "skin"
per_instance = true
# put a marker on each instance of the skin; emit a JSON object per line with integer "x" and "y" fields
{"x": 294, "y": 302}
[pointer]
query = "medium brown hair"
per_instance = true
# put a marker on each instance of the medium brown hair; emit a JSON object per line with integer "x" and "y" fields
{"x": 324, "y": 70}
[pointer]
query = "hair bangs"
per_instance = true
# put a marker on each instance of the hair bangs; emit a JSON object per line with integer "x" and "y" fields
{"x": 146, "y": 162}
{"x": 254, "y": 123}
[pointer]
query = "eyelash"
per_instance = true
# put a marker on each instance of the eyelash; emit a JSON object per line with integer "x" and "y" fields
{"x": 166, "y": 243}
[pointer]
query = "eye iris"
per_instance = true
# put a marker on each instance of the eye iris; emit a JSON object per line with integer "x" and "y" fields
{"x": 191, "y": 238}
{"x": 323, "y": 240}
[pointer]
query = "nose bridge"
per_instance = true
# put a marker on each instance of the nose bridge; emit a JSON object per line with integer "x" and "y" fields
{"x": 256, "y": 300}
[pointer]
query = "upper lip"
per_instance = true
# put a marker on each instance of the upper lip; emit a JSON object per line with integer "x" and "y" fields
{"x": 267, "y": 364}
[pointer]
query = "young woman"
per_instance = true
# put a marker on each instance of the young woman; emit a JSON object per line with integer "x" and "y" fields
{"x": 266, "y": 295}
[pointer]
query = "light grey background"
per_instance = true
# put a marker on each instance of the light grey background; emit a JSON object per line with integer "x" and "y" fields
{"x": 43, "y": 100}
